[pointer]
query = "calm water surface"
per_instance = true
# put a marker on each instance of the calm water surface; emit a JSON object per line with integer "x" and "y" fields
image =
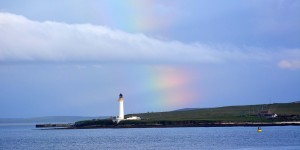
{"x": 244, "y": 138}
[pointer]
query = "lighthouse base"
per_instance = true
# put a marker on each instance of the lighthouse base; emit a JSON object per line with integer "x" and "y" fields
{"x": 117, "y": 120}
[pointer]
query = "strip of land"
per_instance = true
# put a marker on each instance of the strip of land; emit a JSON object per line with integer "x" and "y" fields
{"x": 229, "y": 124}
{"x": 248, "y": 115}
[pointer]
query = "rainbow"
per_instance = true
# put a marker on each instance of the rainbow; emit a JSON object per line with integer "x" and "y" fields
{"x": 166, "y": 86}
{"x": 172, "y": 85}
{"x": 161, "y": 87}
{"x": 135, "y": 15}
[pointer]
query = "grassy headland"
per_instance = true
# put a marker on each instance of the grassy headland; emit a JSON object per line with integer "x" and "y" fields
{"x": 206, "y": 116}
{"x": 229, "y": 113}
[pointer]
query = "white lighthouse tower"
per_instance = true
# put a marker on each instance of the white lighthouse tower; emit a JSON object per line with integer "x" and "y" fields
{"x": 121, "y": 112}
{"x": 121, "y": 107}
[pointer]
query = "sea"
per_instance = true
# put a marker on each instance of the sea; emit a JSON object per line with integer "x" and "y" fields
{"x": 27, "y": 137}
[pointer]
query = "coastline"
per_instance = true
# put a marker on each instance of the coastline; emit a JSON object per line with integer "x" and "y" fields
{"x": 228, "y": 124}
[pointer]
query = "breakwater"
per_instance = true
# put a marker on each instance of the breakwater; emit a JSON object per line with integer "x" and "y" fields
{"x": 49, "y": 125}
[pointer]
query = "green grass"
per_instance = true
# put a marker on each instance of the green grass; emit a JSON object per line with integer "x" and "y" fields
{"x": 286, "y": 109}
{"x": 229, "y": 113}
{"x": 247, "y": 113}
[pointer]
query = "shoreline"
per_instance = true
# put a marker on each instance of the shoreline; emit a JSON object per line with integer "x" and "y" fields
{"x": 229, "y": 124}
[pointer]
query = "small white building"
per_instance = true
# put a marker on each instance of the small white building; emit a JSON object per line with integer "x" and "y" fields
{"x": 133, "y": 118}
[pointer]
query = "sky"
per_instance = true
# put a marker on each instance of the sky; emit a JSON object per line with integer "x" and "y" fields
{"x": 74, "y": 57}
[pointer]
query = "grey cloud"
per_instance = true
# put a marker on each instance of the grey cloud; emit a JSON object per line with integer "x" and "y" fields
{"x": 22, "y": 39}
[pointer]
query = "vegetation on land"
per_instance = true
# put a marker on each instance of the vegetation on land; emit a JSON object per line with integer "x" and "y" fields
{"x": 229, "y": 113}
{"x": 247, "y": 113}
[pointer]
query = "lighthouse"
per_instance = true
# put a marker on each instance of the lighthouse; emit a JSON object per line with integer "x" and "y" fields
{"x": 119, "y": 118}
{"x": 121, "y": 107}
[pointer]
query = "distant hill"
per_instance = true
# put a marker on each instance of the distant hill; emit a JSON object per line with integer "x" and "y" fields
{"x": 228, "y": 113}
{"x": 48, "y": 119}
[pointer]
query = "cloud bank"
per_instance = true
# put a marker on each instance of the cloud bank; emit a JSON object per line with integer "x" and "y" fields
{"x": 25, "y": 40}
